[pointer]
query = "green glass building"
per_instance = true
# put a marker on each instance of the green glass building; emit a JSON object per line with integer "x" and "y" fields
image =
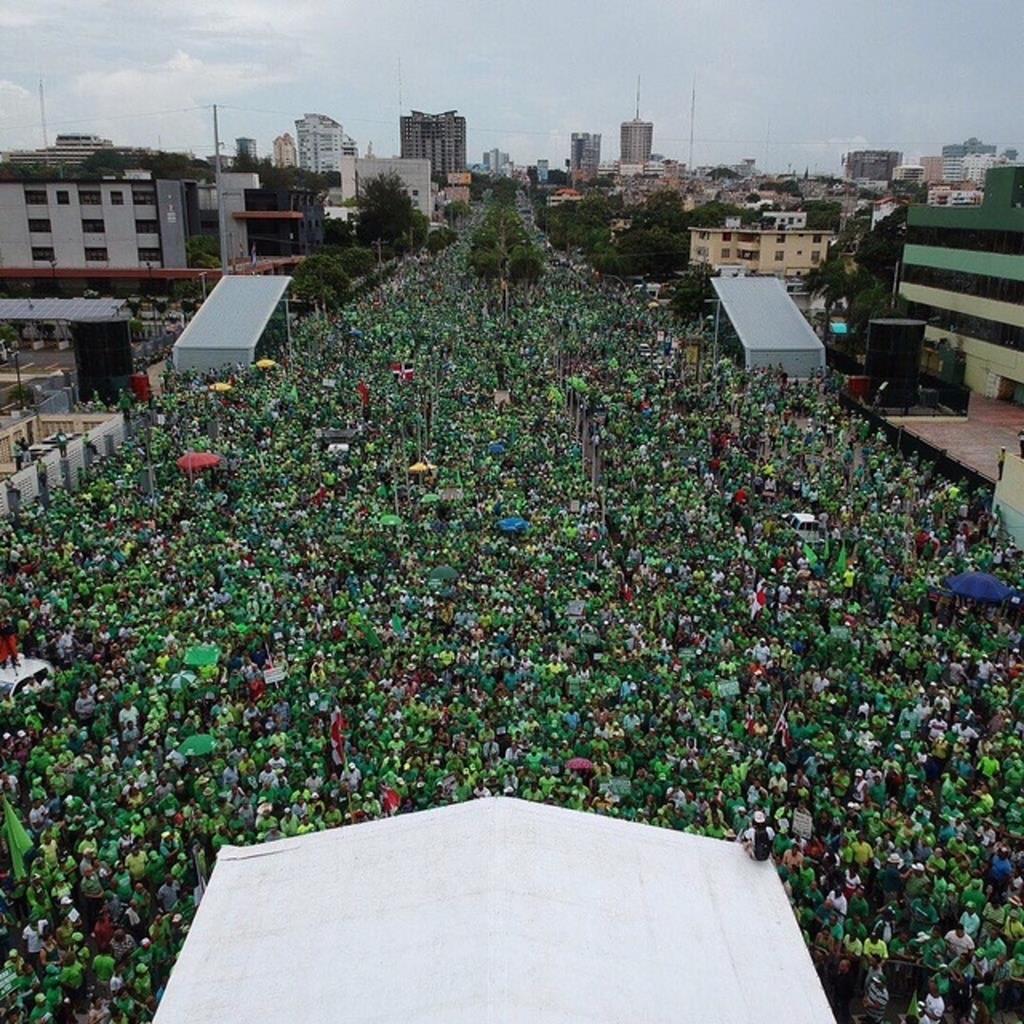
{"x": 963, "y": 274}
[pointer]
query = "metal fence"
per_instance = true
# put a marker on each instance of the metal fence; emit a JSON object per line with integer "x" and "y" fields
{"x": 57, "y": 469}
{"x": 910, "y": 444}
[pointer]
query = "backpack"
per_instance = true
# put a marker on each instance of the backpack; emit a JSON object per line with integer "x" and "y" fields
{"x": 762, "y": 844}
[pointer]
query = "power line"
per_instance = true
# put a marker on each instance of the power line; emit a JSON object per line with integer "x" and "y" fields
{"x": 104, "y": 120}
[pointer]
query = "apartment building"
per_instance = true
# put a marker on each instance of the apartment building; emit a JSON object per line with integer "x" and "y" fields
{"x": 780, "y": 253}
{"x": 439, "y": 138}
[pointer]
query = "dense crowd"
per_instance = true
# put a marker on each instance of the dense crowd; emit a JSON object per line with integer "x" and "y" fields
{"x": 448, "y": 596}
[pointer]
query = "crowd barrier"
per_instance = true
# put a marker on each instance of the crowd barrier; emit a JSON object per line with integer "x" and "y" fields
{"x": 56, "y": 470}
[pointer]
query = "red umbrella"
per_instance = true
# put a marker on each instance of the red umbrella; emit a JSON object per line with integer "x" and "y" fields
{"x": 195, "y": 462}
{"x": 579, "y": 764}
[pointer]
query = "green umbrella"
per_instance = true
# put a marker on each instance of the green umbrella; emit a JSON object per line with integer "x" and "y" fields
{"x": 443, "y": 572}
{"x": 202, "y": 655}
{"x": 196, "y": 746}
{"x": 390, "y": 520}
{"x": 181, "y": 680}
{"x": 430, "y": 499}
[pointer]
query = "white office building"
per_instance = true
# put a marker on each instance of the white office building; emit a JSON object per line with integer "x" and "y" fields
{"x": 322, "y": 144}
{"x": 413, "y": 173}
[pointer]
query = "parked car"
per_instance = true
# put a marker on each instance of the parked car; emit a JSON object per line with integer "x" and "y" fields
{"x": 806, "y": 526}
{"x": 30, "y": 674}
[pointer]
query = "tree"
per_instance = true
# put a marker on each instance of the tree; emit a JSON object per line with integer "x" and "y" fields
{"x": 440, "y": 239}
{"x": 203, "y": 251}
{"x": 690, "y": 294}
{"x": 386, "y": 213}
{"x": 321, "y": 280}
{"x": 823, "y": 216}
{"x": 882, "y": 248}
{"x": 831, "y": 281}
{"x": 339, "y": 233}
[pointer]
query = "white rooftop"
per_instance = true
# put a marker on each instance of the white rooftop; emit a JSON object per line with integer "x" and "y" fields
{"x": 231, "y": 320}
{"x": 494, "y": 911}
{"x": 764, "y": 316}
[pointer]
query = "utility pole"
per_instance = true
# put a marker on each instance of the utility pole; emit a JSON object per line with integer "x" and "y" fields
{"x": 222, "y": 226}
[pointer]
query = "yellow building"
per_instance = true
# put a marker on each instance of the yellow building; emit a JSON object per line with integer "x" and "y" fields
{"x": 790, "y": 253}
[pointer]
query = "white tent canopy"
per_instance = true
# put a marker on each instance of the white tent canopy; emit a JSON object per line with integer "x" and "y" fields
{"x": 770, "y": 327}
{"x": 229, "y": 324}
{"x": 494, "y": 911}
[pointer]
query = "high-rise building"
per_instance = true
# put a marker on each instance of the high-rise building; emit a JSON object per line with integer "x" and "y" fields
{"x": 953, "y": 157}
{"x": 932, "y": 169}
{"x": 284, "y": 151}
{"x": 584, "y": 154}
{"x": 439, "y": 138}
{"x": 872, "y": 164}
{"x": 496, "y": 163}
{"x": 636, "y": 138}
{"x": 542, "y": 172}
{"x": 245, "y": 149}
{"x": 963, "y": 274}
{"x": 322, "y": 144}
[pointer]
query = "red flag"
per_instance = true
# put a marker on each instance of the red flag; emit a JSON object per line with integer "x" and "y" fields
{"x": 782, "y": 729}
{"x": 402, "y": 372}
{"x": 339, "y": 727}
{"x": 390, "y": 800}
{"x": 758, "y": 600}
{"x": 364, "y": 393}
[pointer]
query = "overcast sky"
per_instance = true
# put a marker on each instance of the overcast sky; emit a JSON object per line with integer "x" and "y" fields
{"x": 798, "y": 81}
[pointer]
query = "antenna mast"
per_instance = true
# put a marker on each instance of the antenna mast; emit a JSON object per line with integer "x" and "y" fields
{"x": 638, "y": 97}
{"x": 693, "y": 107}
{"x": 42, "y": 114}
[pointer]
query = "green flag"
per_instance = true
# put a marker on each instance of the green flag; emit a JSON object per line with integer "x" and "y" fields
{"x": 812, "y": 558}
{"x": 18, "y": 840}
{"x": 841, "y": 560}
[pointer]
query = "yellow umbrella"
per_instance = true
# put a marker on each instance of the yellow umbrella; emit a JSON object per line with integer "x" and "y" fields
{"x": 221, "y": 386}
{"x": 421, "y": 467}
{"x": 266, "y": 364}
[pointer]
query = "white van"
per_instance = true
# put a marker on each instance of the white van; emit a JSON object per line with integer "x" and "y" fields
{"x": 806, "y": 526}
{"x": 31, "y": 674}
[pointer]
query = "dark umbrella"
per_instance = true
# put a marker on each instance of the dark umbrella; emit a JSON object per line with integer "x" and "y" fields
{"x": 979, "y": 586}
{"x": 513, "y": 524}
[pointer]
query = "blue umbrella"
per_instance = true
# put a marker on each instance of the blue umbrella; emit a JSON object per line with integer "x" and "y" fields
{"x": 979, "y": 586}
{"x": 513, "y": 524}
{"x": 496, "y": 448}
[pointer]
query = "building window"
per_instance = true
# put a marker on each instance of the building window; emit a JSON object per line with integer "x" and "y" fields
{"x": 97, "y": 255}
{"x": 780, "y": 238}
{"x": 143, "y": 199}
{"x": 147, "y": 227}
{"x": 89, "y": 197}
{"x": 42, "y": 254}
{"x": 726, "y": 236}
{"x": 117, "y": 198}
{"x": 38, "y": 224}
{"x": 726, "y": 254}
{"x": 35, "y": 196}
{"x": 815, "y": 256}
{"x": 63, "y": 198}
{"x": 149, "y": 255}
{"x": 816, "y": 238}
{"x": 779, "y": 257}
{"x": 93, "y": 227}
